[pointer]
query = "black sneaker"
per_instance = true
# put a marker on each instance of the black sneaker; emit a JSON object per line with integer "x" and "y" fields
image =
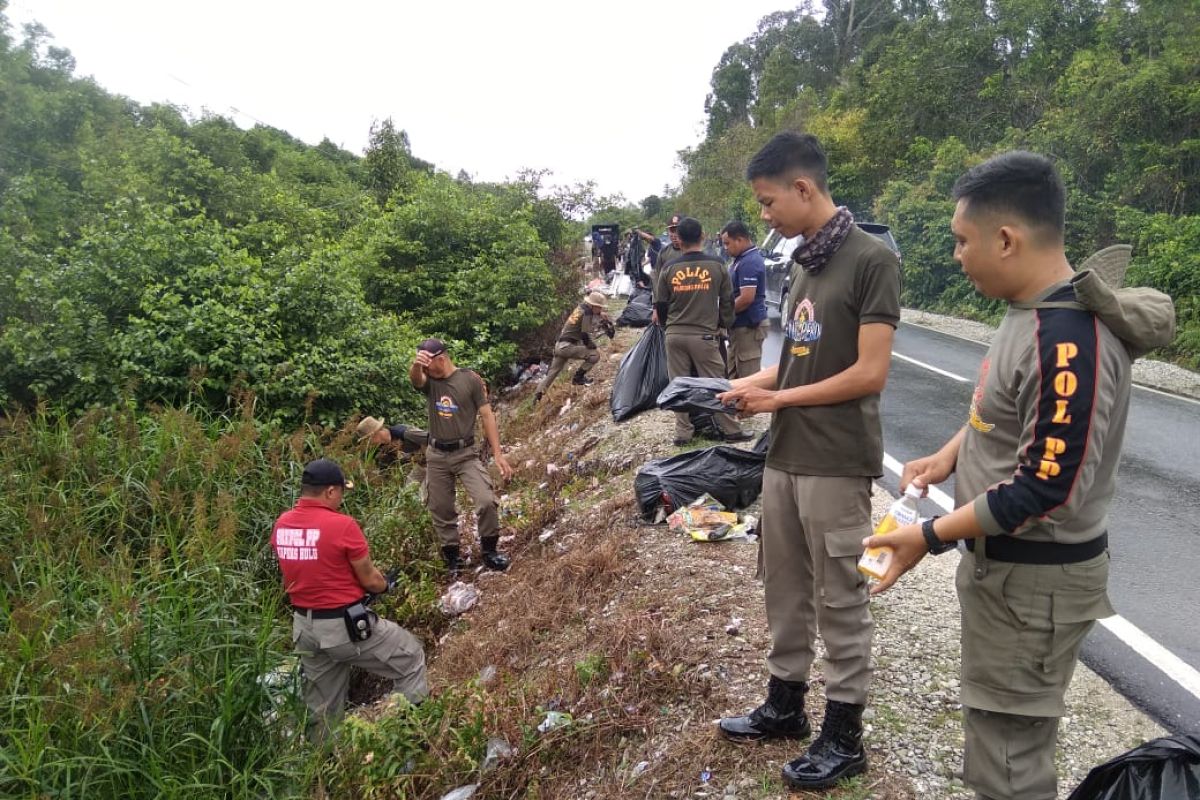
{"x": 678, "y": 442}
{"x": 452, "y": 560}
{"x": 495, "y": 560}
{"x": 581, "y": 379}
{"x": 740, "y": 436}
{"x": 537, "y": 398}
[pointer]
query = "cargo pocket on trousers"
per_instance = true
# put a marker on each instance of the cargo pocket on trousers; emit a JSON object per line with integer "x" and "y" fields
{"x": 1073, "y": 613}
{"x": 843, "y": 581}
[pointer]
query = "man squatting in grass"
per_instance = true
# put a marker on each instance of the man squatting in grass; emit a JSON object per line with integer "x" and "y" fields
{"x": 326, "y": 566}
{"x": 1036, "y": 468}
{"x": 826, "y": 448}
{"x": 455, "y": 397}
{"x": 578, "y": 340}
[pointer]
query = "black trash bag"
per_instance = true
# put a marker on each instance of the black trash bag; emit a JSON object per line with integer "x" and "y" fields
{"x": 635, "y": 315}
{"x": 731, "y": 475}
{"x": 695, "y": 394}
{"x": 1162, "y": 769}
{"x": 641, "y": 376}
{"x": 641, "y": 296}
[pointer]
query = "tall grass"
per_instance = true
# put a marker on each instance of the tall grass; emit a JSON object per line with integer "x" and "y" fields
{"x": 140, "y": 602}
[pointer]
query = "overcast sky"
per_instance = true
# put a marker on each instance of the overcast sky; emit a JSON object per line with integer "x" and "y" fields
{"x": 604, "y": 91}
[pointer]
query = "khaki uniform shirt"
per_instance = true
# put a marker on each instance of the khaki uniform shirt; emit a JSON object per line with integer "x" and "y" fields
{"x": 859, "y": 285}
{"x": 698, "y": 294}
{"x": 1046, "y": 424}
{"x": 582, "y": 326}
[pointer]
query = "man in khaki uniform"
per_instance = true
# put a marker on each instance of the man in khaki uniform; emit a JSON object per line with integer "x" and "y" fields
{"x": 826, "y": 447}
{"x": 402, "y": 443}
{"x": 578, "y": 340}
{"x": 693, "y": 301}
{"x": 327, "y": 568}
{"x": 1036, "y": 469}
{"x": 456, "y": 396}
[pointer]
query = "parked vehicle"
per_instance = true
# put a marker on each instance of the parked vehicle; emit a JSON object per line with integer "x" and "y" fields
{"x": 777, "y": 255}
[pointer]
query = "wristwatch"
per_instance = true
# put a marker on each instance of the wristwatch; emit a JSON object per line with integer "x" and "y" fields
{"x": 936, "y": 546}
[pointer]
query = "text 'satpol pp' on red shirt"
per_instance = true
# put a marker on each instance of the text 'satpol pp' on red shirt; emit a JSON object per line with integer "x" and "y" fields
{"x": 315, "y": 545}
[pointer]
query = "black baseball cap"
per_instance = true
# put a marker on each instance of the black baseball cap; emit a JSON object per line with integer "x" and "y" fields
{"x": 435, "y": 347}
{"x": 324, "y": 472}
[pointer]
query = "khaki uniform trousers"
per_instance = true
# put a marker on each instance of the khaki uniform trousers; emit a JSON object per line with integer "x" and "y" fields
{"x": 327, "y": 653}
{"x": 812, "y": 532}
{"x": 441, "y": 470}
{"x": 1022, "y": 628}
{"x": 564, "y": 352}
{"x": 688, "y": 354}
{"x": 745, "y": 350}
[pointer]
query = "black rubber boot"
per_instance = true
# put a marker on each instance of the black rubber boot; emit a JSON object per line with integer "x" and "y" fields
{"x": 580, "y": 378}
{"x": 780, "y": 717}
{"x": 835, "y": 755}
{"x": 493, "y": 559}
{"x": 450, "y": 555}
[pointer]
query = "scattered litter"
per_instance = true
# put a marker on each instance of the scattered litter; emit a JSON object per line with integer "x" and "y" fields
{"x": 706, "y": 521}
{"x": 565, "y": 408}
{"x": 497, "y": 750}
{"x": 554, "y": 719}
{"x": 734, "y": 627}
{"x": 545, "y": 535}
{"x": 705, "y": 777}
{"x": 461, "y": 793}
{"x": 551, "y": 469}
{"x": 730, "y": 475}
{"x": 458, "y": 598}
{"x": 487, "y": 675}
{"x": 641, "y": 767}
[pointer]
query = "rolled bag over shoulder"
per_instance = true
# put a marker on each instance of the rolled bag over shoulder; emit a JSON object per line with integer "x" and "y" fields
{"x": 1141, "y": 317}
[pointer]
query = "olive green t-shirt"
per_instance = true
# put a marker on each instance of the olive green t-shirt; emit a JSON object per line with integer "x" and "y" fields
{"x": 454, "y": 402}
{"x": 859, "y": 285}
{"x": 698, "y": 294}
{"x": 665, "y": 257}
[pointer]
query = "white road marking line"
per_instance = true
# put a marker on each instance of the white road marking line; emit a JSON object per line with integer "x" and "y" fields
{"x": 1171, "y": 665}
{"x": 931, "y": 368}
{"x": 928, "y": 329}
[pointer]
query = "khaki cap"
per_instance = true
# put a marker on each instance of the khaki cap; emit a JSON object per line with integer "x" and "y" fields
{"x": 596, "y": 299}
{"x": 1110, "y": 264}
{"x": 368, "y": 427}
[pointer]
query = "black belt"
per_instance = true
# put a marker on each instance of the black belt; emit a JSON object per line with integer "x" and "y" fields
{"x": 452, "y": 445}
{"x": 1016, "y": 550}
{"x": 322, "y": 613}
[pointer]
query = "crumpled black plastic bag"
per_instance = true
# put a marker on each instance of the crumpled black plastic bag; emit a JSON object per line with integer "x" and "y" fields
{"x": 694, "y": 394}
{"x": 641, "y": 375}
{"x": 731, "y": 475}
{"x": 635, "y": 315}
{"x": 1161, "y": 769}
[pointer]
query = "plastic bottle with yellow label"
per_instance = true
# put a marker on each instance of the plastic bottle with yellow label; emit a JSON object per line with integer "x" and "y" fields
{"x": 875, "y": 561}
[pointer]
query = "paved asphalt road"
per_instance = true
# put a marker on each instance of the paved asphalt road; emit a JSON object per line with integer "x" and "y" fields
{"x": 1154, "y": 523}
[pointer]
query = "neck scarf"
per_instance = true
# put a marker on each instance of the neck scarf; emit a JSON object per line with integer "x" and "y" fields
{"x": 814, "y": 253}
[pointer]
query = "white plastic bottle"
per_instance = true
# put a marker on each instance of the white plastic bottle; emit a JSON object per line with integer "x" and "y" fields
{"x": 875, "y": 561}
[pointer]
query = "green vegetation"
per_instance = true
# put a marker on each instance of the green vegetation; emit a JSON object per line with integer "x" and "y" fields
{"x": 148, "y": 259}
{"x": 907, "y": 94}
{"x": 188, "y": 313}
{"x": 141, "y": 603}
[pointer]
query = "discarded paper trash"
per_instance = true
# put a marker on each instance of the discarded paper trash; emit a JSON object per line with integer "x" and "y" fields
{"x": 458, "y": 598}
{"x": 554, "y": 719}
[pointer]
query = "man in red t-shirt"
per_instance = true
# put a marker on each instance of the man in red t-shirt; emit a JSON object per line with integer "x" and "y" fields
{"x": 327, "y": 567}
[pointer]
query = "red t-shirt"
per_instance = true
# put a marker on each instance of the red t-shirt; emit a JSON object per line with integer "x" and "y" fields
{"x": 314, "y": 545}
